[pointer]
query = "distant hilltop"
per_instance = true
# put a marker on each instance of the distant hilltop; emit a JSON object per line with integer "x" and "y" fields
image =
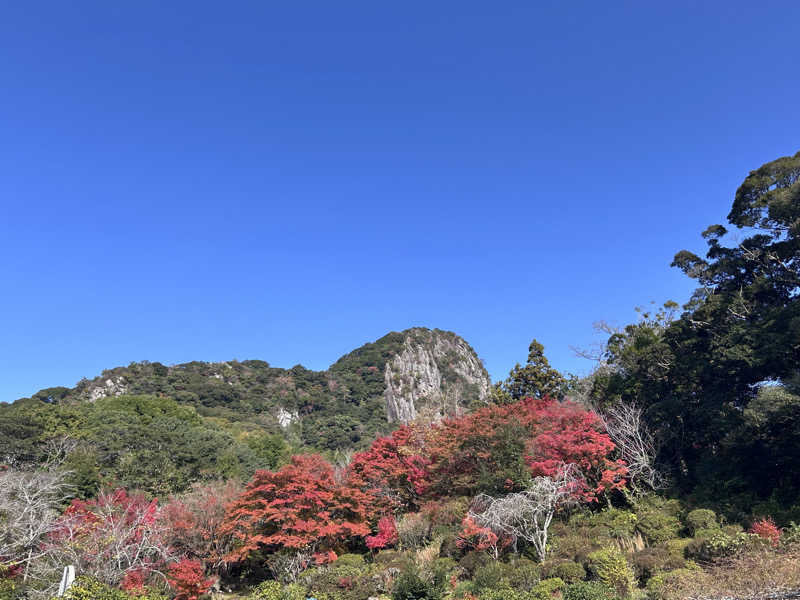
{"x": 418, "y": 372}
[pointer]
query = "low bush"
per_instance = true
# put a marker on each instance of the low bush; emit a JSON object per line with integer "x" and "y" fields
{"x": 489, "y": 576}
{"x": 677, "y": 551}
{"x": 611, "y": 568}
{"x": 472, "y": 561}
{"x": 415, "y": 584}
{"x": 711, "y": 545}
{"x": 267, "y": 590}
{"x": 10, "y": 589}
{"x": 88, "y": 588}
{"x": 523, "y": 574}
{"x": 567, "y": 570}
{"x": 547, "y": 588}
{"x": 657, "y": 519}
{"x": 588, "y": 590}
{"x": 699, "y": 519}
{"x": 791, "y": 535}
{"x": 648, "y": 561}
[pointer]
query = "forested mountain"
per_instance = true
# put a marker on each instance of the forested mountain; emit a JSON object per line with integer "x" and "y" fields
{"x": 160, "y": 427}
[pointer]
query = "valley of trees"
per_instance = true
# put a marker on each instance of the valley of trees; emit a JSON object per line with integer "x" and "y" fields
{"x": 671, "y": 471}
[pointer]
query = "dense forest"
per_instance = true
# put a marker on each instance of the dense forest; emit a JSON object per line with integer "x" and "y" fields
{"x": 671, "y": 471}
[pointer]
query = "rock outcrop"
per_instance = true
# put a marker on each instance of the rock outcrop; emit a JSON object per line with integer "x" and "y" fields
{"x": 435, "y": 374}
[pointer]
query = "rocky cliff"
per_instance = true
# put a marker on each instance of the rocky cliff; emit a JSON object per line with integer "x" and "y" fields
{"x": 435, "y": 374}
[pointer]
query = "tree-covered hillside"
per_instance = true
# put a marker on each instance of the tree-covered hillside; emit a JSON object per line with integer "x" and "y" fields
{"x": 158, "y": 428}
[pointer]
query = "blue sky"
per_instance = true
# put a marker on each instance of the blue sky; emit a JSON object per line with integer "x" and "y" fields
{"x": 286, "y": 181}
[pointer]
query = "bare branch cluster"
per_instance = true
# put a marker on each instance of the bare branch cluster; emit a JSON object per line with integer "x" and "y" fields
{"x": 527, "y": 515}
{"x": 29, "y": 512}
{"x": 286, "y": 566}
{"x": 626, "y": 428}
{"x": 122, "y": 538}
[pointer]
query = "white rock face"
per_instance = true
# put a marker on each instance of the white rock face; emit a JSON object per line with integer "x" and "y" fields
{"x": 286, "y": 418}
{"x": 436, "y": 374}
{"x": 113, "y": 386}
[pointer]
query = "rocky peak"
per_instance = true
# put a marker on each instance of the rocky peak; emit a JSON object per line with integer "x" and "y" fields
{"x": 434, "y": 374}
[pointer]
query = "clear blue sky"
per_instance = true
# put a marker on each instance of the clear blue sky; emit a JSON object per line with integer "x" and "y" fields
{"x": 289, "y": 180}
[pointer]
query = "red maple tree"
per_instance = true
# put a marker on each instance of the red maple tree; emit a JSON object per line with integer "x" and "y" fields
{"x": 393, "y": 470}
{"x": 766, "y": 529}
{"x": 301, "y": 506}
{"x": 481, "y": 538}
{"x": 501, "y": 445}
{"x": 563, "y": 432}
{"x": 387, "y": 534}
{"x": 187, "y": 577}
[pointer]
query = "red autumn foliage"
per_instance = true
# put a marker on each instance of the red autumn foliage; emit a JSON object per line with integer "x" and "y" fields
{"x": 195, "y": 522}
{"x": 393, "y": 471}
{"x": 493, "y": 450}
{"x": 387, "y": 534}
{"x": 563, "y": 432}
{"x": 134, "y": 581}
{"x": 766, "y": 529}
{"x": 299, "y": 506}
{"x": 481, "y": 538}
{"x": 324, "y": 558}
{"x": 486, "y": 444}
{"x": 187, "y": 577}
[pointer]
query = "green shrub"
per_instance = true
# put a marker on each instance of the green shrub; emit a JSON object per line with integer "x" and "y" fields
{"x": 349, "y": 560}
{"x": 389, "y": 558}
{"x": 473, "y": 560}
{"x": 547, "y": 588}
{"x": 657, "y": 519}
{"x": 574, "y": 543}
{"x": 648, "y": 561}
{"x": 677, "y": 553}
{"x": 523, "y": 574}
{"x": 699, "y": 519}
{"x": 273, "y": 590}
{"x": 588, "y": 590}
{"x": 348, "y": 578}
{"x": 88, "y": 588}
{"x": 267, "y": 590}
{"x": 488, "y": 576}
{"x": 294, "y": 591}
{"x": 505, "y": 593}
{"x": 611, "y": 567}
{"x": 612, "y": 523}
{"x": 412, "y": 584}
{"x": 10, "y": 589}
{"x": 791, "y": 535}
{"x": 713, "y": 544}
{"x": 568, "y": 570}
{"x": 655, "y": 585}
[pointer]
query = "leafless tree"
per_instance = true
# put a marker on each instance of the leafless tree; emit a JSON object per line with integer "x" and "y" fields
{"x": 29, "y": 509}
{"x": 626, "y": 428}
{"x": 287, "y": 565}
{"x": 57, "y": 449}
{"x": 527, "y": 515}
{"x": 123, "y": 535}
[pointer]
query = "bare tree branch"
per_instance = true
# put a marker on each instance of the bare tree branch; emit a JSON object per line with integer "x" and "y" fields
{"x": 527, "y": 515}
{"x": 626, "y": 428}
